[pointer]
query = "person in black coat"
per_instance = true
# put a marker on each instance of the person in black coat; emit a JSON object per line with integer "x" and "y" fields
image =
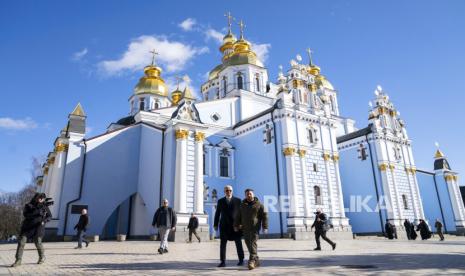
{"x": 425, "y": 232}
{"x": 192, "y": 226}
{"x": 81, "y": 228}
{"x": 388, "y": 227}
{"x": 321, "y": 227}
{"x": 412, "y": 231}
{"x": 226, "y": 210}
{"x": 408, "y": 229}
{"x": 36, "y": 213}
{"x": 165, "y": 220}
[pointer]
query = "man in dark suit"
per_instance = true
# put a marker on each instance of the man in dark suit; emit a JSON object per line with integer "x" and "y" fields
{"x": 226, "y": 210}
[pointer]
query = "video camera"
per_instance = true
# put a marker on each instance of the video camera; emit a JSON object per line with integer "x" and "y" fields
{"x": 48, "y": 201}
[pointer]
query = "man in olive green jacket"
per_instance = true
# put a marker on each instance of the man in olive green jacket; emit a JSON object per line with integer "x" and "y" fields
{"x": 250, "y": 218}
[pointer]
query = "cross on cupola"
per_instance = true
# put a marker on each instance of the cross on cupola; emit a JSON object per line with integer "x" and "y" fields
{"x": 241, "y": 28}
{"x": 154, "y": 53}
{"x": 178, "y": 81}
{"x": 310, "y": 52}
{"x": 230, "y": 20}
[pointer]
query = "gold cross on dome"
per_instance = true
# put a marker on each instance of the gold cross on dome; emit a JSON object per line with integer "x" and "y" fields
{"x": 230, "y": 20}
{"x": 241, "y": 26}
{"x": 310, "y": 52}
{"x": 153, "y": 56}
{"x": 178, "y": 80}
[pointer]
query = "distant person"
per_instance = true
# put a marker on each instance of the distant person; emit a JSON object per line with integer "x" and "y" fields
{"x": 408, "y": 229}
{"x": 389, "y": 228}
{"x": 192, "y": 226}
{"x": 438, "y": 226}
{"x": 165, "y": 220}
{"x": 81, "y": 228}
{"x": 425, "y": 232}
{"x": 412, "y": 231}
{"x": 322, "y": 226}
{"x": 226, "y": 211}
{"x": 36, "y": 214}
{"x": 250, "y": 219}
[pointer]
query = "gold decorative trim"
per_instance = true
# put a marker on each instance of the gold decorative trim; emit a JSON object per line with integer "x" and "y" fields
{"x": 51, "y": 160}
{"x": 392, "y": 167}
{"x": 182, "y": 134}
{"x": 302, "y": 152}
{"x": 335, "y": 158}
{"x": 199, "y": 136}
{"x": 449, "y": 177}
{"x": 61, "y": 147}
{"x": 456, "y": 177}
{"x": 383, "y": 167}
{"x": 289, "y": 151}
{"x": 326, "y": 156}
{"x": 393, "y": 113}
{"x": 45, "y": 170}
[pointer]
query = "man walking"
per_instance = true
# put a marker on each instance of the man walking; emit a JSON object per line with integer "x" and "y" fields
{"x": 250, "y": 218}
{"x": 438, "y": 225}
{"x": 81, "y": 228}
{"x": 192, "y": 226}
{"x": 36, "y": 213}
{"x": 408, "y": 229}
{"x": 226, "y": 211}
{"x": 321, "y": 227}
{"x": 165, "y": 220}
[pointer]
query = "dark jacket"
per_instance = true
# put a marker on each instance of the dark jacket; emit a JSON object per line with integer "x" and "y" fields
{"x": 224, "y": 217}
{"x": 321, "y": 225}
{"x": 438, "y": 226}
{"x": 251, "y": 216}
{"x": 193, "y": 223}
{"x": 164, "y": 216}
{"x": 35, "y": 216}
{"x": 82, "y": 223}
{"x": 389, "y": 228}
{"x": 425, "y": 232}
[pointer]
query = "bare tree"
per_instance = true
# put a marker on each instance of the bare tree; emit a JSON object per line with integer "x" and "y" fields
{"x": 12, "y": 204}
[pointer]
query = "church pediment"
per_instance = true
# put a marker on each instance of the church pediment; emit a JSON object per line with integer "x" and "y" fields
{"x": 187, "y": 111}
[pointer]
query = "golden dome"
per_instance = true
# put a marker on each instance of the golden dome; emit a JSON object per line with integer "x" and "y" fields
{"x": 152, "y": 82}
{"x": 438, "y": 154}
{"x": 314, "y": 70}
{"x": 242, "y": 54}
{"x": 214, "y": 73}
{"x": 228, "y": 42}
{"x": 176, "y": 96}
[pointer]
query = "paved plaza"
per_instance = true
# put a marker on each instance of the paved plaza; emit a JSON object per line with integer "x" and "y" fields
{"x": 368, "y": 256}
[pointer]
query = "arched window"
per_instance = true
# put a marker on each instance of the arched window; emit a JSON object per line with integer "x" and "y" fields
{"x": 315, "y": 167}
{"x": 157, "y": 105}
{"x": 224, "y": 162}
{"x": 240, "y": 81}
{"x": 362, "y": 152}
{"x": 225, "y": 86}
{"x": 333, "y": 103}
{"x": 311, "y": 136}
{"x": 317, "y": 195}
{"x": 257, "y": 82}
{"x": 142, "y": 104}
{"x": 405, "y": 202}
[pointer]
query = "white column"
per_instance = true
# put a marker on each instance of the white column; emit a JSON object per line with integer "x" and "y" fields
{"x": 303, "y": 165}
{"x": 455, "y": 197}
{"x": 327, "y": 157}
{"x": 198, "y": 194}
{"x": 415, "y": 182}
{"x": 55, "y": 192}
{"x": 339, "y": 186}
{"x": 291, "y": 181}
{"x": 394, "y": 185}
{"x": 180, "y": 173}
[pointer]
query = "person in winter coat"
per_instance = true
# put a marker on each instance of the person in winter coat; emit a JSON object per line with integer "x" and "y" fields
{"x": 165, "y": 220}
{"x": 226, "y": 210}
{"x": 321, "y": 227}
{"x": 408, "y": 229}
{"x": 438, "y": 225}
{"x": 250, "y": 219}
{"x": 192, "y": 226}
{"x": 425, "y": 232}
{"x": 388, "y": 227}
{"x": 81, "y": 228}
{"x": 36, "y": 213}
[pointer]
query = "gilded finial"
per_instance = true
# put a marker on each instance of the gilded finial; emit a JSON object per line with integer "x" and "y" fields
{"x": 241, "y": 27}
{"x": 310, "y": 52}
{"x": 153, "y": 56}
{"x": 230, "y": 20}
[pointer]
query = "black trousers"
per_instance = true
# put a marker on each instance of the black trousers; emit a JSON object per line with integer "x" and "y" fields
{"x": 240, "y": 250}
{"x": 322, "y": 234}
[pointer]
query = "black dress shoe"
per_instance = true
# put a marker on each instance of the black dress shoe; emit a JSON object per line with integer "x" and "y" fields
{"x": 160, "y": 250}
{"x": 317, "y": 249}
{"x": 240, "y": 263}
{"x": 334, "y": 246}
{"x": 222, "y": 264}
{"x": 87, "y": 244}
{"x": 165, "y": 250}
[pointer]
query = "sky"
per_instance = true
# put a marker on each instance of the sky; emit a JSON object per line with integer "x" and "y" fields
{"x": 55, "y": 54}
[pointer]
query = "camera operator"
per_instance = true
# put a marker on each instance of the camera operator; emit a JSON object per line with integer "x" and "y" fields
{"x": 36, "y": 213}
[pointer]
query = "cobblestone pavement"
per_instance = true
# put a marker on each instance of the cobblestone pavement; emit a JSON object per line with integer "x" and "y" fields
{"x": 278, "y": 257}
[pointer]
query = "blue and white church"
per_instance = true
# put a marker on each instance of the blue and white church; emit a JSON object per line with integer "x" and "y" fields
{"x": 284, "y": 138}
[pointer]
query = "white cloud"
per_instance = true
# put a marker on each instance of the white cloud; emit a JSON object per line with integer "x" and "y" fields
{"x": 173, "y": 55}
{"x": 17, "y": 124}
{"x": 79, "y": 55}
{"x": 214, "y": 34}
{"x": 187, "y": 24}
{"x": 261, "y": 50}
